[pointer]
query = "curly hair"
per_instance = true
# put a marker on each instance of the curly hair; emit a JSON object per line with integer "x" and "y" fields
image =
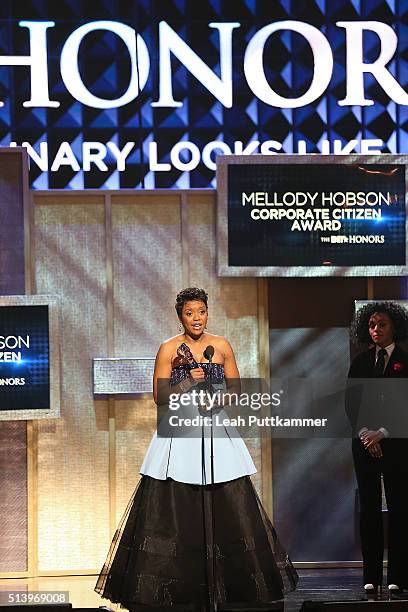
{"x": 397, "y": 313}
{"x": 188, "y": 295}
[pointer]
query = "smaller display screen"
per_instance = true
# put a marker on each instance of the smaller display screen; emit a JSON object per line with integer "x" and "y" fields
{"x": 24, "y": 357}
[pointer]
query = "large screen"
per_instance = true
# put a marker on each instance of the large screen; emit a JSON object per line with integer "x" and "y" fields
{"x": 29, "y": 367}
{"x": 145, "y": 94}
{"x": 312, "y": 215}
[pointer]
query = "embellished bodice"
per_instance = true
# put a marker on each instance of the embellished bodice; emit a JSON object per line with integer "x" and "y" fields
{"x": 213, "y": 370}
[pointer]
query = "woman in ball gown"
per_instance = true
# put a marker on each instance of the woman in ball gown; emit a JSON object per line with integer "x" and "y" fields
{"x": 195, "y": 535}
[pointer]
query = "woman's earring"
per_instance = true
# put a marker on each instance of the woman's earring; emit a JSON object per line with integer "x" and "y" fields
{"x": 180, "y": 328}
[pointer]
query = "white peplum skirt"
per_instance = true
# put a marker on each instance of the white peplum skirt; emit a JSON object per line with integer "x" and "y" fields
{"x": 182, "y": 459}
{"x": 185, "y": 454}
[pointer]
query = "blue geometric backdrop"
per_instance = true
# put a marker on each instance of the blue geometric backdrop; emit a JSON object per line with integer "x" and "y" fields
{"x": 105, "y": 67}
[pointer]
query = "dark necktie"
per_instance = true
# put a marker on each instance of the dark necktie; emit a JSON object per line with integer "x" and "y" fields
{"x": 380, "y": 363}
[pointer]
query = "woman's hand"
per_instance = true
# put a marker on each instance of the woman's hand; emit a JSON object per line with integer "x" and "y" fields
{"x": 370, "y": 439}
{"x": 197, "y": 375}
{"x": 375, "y": 450}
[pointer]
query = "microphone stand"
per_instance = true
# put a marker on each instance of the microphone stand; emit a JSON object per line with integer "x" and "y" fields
{"x": 184, "y": 352}
{"x": 214, "y": 564}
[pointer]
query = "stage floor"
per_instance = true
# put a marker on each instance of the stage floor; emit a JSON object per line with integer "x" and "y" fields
{"x": 314, "y": 584}
{"x": 329, "y": 585}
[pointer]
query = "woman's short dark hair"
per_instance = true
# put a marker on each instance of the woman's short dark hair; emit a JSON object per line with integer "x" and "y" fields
{"x": 397, "y": 313}
{"x": 188, "y": 295}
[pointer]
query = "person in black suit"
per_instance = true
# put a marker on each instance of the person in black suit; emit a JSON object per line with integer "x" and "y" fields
{"x": 377, "y": 408}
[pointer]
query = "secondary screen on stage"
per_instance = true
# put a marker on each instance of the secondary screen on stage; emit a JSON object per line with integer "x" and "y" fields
{"x": 312, "y": 216}
{"x": 26, "y": 367}
{"x": 24, "y": 358}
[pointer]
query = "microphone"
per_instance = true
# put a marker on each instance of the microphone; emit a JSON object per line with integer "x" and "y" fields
{"x": 209, "y": 353}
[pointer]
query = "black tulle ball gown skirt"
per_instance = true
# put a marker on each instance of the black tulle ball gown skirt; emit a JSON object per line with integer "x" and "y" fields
{"x": 179, "y": 545}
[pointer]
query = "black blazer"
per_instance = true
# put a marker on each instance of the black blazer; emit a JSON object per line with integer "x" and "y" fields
{"x": 378, "y": 402}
